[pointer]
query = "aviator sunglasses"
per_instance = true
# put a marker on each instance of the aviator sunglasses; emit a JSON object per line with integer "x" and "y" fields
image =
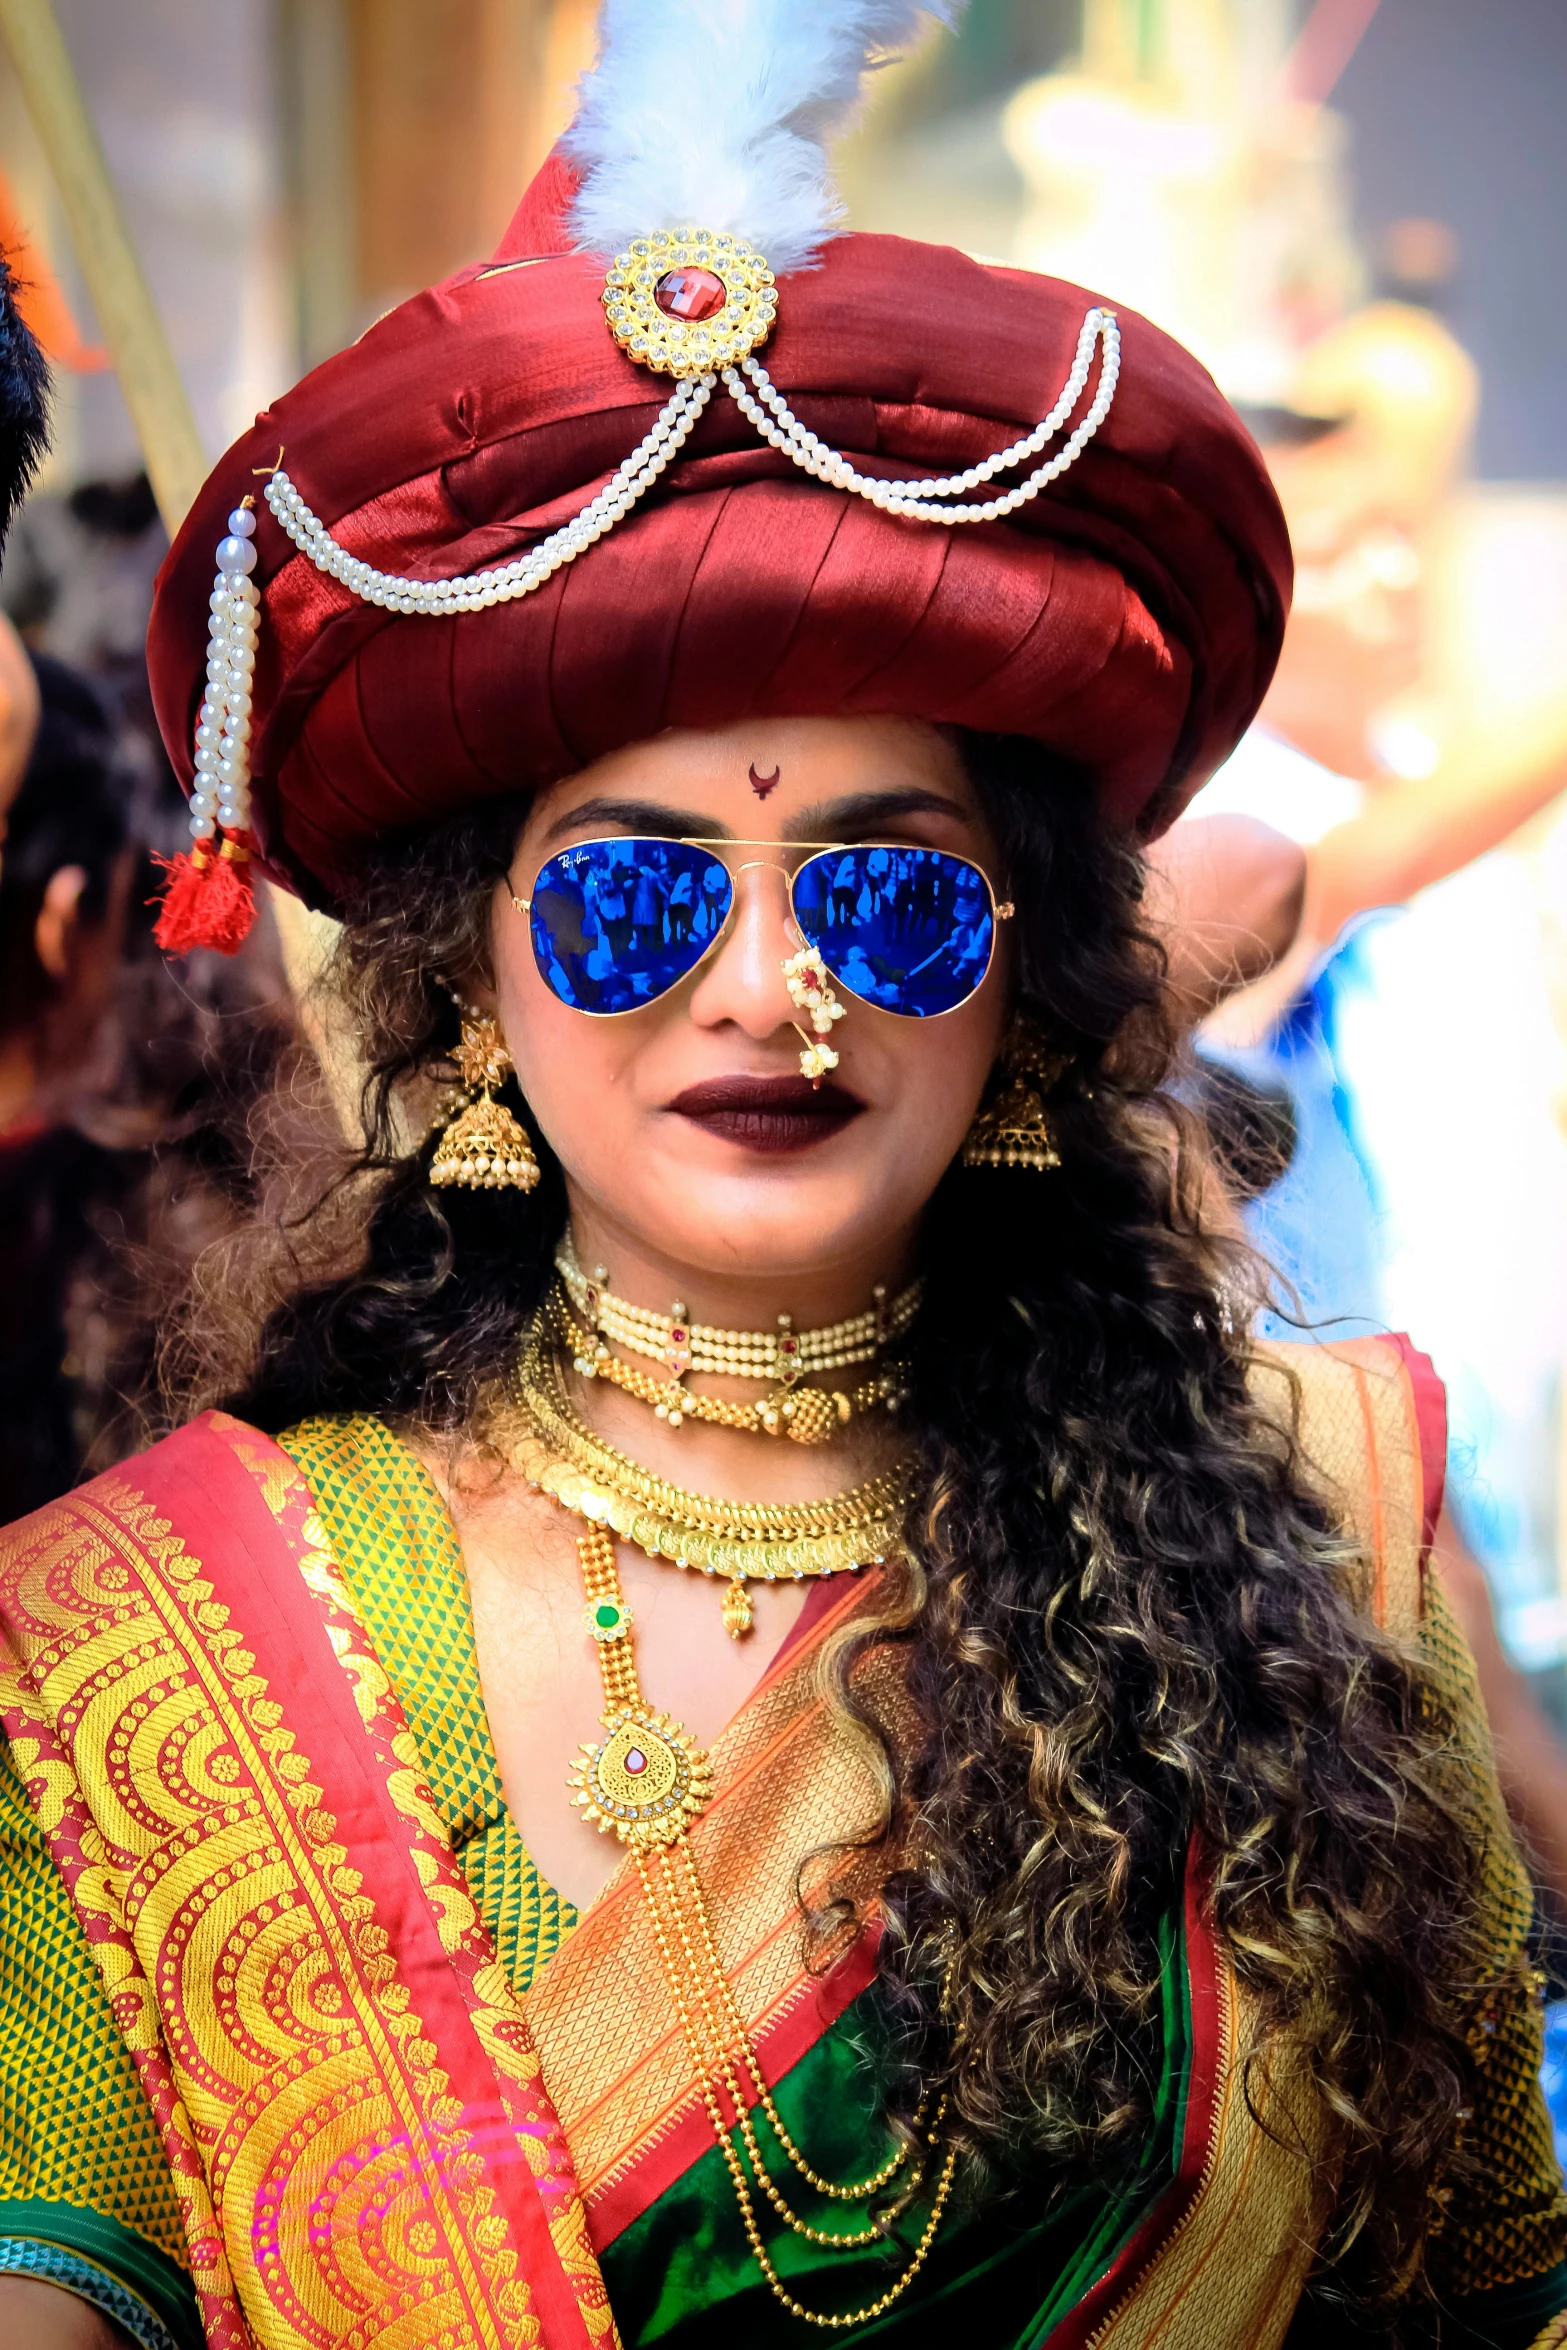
{"x": 617, "y": 923}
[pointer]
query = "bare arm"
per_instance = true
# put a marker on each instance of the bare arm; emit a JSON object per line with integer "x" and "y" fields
{"x": 1412, "y": 834}
{"x": 36, "y": 2316}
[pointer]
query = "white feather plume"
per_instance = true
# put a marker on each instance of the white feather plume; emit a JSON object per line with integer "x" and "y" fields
{"x": 716, "y": 114}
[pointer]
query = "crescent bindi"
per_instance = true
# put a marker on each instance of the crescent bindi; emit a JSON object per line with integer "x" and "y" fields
{"x": 763, "y": 784}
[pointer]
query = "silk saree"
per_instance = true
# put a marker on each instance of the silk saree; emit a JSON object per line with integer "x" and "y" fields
{"x": 297, "y": 2048}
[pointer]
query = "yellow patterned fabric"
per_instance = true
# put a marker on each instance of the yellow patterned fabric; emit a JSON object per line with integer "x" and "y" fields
{"x": 348, "y": 2099}
{"x": 392, "y": 1537}
{"x": 1514, "y": 2226}
{"x": 74, "y": 2126}
{"x": 75, "y": 2129}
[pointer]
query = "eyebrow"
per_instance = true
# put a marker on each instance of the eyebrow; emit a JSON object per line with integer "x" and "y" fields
{"x": 848, "y": 818}
{"x": 646, "y": 816}
{"x": 858, "y": 813}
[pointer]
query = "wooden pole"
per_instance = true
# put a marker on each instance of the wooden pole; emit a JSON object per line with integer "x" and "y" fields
{"x": 131, "y": 328}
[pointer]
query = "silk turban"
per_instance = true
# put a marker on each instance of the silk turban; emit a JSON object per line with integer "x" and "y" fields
{"x": 1128, "y": 618}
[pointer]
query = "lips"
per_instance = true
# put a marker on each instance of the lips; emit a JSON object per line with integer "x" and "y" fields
{"x": 768, "y": 1113}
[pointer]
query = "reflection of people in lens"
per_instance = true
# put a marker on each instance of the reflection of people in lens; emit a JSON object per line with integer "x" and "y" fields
{"x": 931, "y": 888}
{"x": 614, "y": 906}
{"x": 856, "y": 974}
{"x": 840, "y": 898}
{"x": 680, "y": 909}
{"x": 644, "y": 907}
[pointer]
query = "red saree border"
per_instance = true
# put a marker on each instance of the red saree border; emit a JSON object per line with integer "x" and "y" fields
{"x": 830, "y": 1598}
{"x": 1428, "y": 1410}
{"x": 218, "y": 1532}
{"x": 685, "y": 2134}
{"x": 443, "y": 1952}
{"x": 1211, "y": 1993}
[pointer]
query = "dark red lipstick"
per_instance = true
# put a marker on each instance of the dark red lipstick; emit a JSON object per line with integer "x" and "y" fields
{"x": 768, "y": 1113}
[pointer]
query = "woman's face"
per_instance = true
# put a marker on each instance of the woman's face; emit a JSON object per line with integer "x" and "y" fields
{"x": 687, "y": 1133}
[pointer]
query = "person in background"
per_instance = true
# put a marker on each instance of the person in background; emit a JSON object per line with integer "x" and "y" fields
{"x": 24, "y": 433}
{"x": 65, "y": 888}
{"x": 124, "y": 1091}
{"x": 78, "y": 582}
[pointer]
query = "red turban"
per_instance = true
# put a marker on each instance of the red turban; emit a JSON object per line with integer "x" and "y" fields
{"x": 1127, "y": 618}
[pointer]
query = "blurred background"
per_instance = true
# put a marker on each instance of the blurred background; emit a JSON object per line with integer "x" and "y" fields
{"x": 1355, "y": 211}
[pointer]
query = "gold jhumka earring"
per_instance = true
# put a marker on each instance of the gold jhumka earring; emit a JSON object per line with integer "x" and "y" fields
{"x": 1015, "y": 1130}
{"x": 482, "y": 1145}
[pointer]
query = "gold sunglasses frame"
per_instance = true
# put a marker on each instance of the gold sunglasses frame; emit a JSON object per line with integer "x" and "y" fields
{"x": 1001, "y": 909}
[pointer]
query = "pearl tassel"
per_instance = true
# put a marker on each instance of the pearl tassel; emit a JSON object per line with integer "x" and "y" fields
{"x": 221, "y": 799}
{"x": 208, "y": 898}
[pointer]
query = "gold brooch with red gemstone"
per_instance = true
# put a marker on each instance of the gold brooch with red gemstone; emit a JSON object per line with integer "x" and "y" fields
{"x": 687, "y": 301}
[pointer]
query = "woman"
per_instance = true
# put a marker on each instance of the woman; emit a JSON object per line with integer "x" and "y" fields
{"x": 1038, "y": 1866}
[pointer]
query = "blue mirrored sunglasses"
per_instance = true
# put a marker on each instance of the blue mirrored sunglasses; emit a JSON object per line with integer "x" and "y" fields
{"x": 617, "y": 923}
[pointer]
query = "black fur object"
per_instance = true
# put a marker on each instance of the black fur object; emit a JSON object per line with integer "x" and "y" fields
{"x": 24, "y": 402}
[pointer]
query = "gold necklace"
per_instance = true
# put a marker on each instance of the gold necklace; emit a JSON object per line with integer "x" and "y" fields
{"x": 782, "y": 1357}
{"x": 768, "y": 1542}
{"x": 644, "y": 1780}
{"x": 807, "y": 1414}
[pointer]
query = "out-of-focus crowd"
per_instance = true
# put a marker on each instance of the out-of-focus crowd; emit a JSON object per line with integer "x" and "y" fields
{"x": 126, "y": 1085}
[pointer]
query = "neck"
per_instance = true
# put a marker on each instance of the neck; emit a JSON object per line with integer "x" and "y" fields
{"x": 741, "y": 1465}
{"x": 736, "y": 1297}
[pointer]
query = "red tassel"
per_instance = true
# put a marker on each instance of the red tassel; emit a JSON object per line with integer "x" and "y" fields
{"x": 208, "y": 901}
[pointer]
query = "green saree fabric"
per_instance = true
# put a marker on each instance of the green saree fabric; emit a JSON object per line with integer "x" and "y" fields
{"x": 683, "y": 2273}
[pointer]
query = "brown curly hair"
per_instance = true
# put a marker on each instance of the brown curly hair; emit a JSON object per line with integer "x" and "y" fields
{"x": 1130, "y": 1625}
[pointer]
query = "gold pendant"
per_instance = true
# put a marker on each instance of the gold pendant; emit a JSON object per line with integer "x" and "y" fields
{"x": 739, "y": 1615}
{"x": 644, "y": 1781}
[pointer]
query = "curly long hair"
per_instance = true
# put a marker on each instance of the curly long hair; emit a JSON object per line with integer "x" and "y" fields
{"x": 1130, "y": 1625}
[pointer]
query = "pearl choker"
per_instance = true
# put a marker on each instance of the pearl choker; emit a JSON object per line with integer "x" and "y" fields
{"x": 782, "y": 1357}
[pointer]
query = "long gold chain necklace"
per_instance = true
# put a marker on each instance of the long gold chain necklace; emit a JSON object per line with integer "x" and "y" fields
{"x": 782, "y": 1358}
{"x": 738, "y": 1542}
{"x": 644, "y": 1780}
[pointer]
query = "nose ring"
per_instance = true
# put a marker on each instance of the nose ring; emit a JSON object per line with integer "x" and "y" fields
{"x": 805, "y": 976}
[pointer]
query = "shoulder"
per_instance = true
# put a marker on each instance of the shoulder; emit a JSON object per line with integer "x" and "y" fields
{"x": 177, "y": 1473}
{"x": 161, "y": 1477}
{"x": 1370, "y": 1417}
{"x": 337, "y": 1452}
{"x": 217, "y": 1495}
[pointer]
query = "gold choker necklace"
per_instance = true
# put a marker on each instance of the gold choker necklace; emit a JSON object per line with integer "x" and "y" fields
{"x": 782, "y": 1358}
{"x": 808, "y": 1415}
{"x": 741, "y": 1542}
{"x": 644, "y": 1780}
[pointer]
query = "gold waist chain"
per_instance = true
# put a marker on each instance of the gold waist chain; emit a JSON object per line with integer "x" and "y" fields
{"x": 644, "y": 1780}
